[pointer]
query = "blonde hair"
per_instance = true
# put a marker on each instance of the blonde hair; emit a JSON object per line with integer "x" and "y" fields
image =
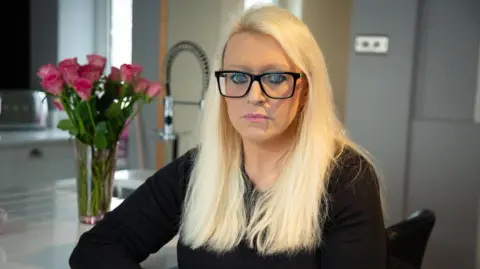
{"x": 288, "y": 217}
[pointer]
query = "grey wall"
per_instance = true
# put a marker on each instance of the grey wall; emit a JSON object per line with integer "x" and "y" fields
{"x": 444, "y": 171}
{"x": 145, "y": 46}
{"x": 379, "y": 91}
{"x": 44, "y": 36}
{"x": 477, "y": 101}
{"x": 413, "y": 109}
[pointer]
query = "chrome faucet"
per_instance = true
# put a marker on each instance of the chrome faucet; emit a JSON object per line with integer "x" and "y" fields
{"x": 168, "y": 132}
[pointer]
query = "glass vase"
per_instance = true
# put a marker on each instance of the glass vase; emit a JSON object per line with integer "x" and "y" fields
{"x": 95, "y": 180}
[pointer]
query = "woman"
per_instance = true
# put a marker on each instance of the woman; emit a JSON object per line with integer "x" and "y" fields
{"x": 274, "y": 182}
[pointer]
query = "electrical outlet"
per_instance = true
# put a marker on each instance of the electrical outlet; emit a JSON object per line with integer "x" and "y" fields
{"x": 371, "y": 44}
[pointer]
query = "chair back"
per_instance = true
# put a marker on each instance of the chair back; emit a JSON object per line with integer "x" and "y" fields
{"x": 408, "y": 239}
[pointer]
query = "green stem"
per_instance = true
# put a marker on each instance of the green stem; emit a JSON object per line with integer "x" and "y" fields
{"x": 95, "y": 200}
{"x": 82, "y": 184}
{"x": 97, "y": 178}
{"x": 110, "y": 176}
{"x": 80, "y": 123}
{"x": 83, "y": 191}
{"x": 91, "y": 116}
{"x": 68, "y": 110}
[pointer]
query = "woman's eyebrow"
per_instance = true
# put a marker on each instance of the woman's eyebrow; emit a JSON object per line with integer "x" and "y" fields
{"x": 263, "y": 68}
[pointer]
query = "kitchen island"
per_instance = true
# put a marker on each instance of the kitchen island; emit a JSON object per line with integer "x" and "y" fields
{"x": 37, "y": 155}
{"x": 43, "y": 228}
{"x": 35, "y": 137}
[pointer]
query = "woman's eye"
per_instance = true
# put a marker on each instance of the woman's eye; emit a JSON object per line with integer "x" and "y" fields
{"x": 238, "y": 78}
{"x": 276, "y": 78}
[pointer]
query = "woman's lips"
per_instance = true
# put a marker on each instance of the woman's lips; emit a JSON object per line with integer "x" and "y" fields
{"x": 254, "y": 117}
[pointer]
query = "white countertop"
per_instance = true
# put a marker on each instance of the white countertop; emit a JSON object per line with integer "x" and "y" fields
{"x": 42, "y": 227}
{"x": 13, "y": 138}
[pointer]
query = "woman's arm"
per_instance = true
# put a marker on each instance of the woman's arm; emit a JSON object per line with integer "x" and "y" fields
{"x": 140, "y": 226}
{"x": 355, "y": 232}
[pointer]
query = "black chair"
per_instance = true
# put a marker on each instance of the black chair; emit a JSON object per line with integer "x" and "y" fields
{"x": 408, "y": 239}
{"x": 395, "y": 263}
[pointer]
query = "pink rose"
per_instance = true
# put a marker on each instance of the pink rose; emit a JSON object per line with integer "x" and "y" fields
{"x": 53, "y": 82}
{"x": 137, "y": 69}
{"x": 69, "y": 63}
{"x": 90, "y": 72}
{"x": 114, "y": 74}
{"x": 70, "y": 74}
{"x": 44, "y": 70}
{"x": 154, "y": 89}
{"x": 128, "y": 72}
{"x": 83, "y": 87}
{"x": 58, "y": 104}
{"x": 141, "y": 85}
{"x": 97, "y": 61}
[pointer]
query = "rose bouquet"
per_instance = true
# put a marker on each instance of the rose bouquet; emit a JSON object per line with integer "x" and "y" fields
{"x": 98, "y": 109}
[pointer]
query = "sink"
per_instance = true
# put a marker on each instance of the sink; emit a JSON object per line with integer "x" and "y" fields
{"x": 122, "y": 192}
{"x": 134, "y": 174}
{"x": 127, "y": 181}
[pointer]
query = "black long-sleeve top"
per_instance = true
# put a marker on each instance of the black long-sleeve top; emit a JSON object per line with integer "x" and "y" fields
{"x": 354, "y": 233}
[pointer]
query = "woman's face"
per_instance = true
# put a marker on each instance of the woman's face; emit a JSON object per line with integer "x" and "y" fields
{"x": 257, "y": 116}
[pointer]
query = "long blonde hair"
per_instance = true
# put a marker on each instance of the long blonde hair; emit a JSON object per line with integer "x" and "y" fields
{"x": 286, "y": 218}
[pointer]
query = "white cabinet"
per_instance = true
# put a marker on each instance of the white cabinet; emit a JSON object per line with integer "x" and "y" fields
{"x": 33, "y": 163}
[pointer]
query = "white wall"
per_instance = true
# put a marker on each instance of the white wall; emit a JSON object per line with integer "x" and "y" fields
{"x": 76, "y": 20}
{"x": 82, "y": 28}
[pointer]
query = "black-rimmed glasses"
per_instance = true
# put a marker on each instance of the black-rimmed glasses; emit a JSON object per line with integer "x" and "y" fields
{"x": 276, "y": 85}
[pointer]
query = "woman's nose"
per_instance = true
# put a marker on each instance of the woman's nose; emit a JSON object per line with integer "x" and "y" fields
{"x": 256, "y": 94}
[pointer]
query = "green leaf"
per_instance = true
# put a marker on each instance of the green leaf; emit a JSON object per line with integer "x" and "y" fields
{"x": 67, "y": 125}
{"x": 82, "y": 111}
{"x": 100, "y": 141}
{"x": 113, "y": 111}
{"x": 127, "y": 90}
{"x": 101, "y": 128}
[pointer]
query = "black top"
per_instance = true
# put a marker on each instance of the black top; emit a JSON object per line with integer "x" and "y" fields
{"x": 354, "y": 234}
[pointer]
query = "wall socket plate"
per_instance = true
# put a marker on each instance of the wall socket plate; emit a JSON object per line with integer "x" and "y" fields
{"x": 376, "y": 44}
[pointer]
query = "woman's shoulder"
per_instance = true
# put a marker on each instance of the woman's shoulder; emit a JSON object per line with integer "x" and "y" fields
{"x": 352, "y": 169}
{"x": 187, "y": 160}
{"x": 354, "y": 192}
{"x": 177, "y": 172}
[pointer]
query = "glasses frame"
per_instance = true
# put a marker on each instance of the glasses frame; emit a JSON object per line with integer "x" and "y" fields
{"x": 258, "y": 78}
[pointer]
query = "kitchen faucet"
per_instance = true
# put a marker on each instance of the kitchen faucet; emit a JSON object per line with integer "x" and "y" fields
{"x": 167, "y": 133}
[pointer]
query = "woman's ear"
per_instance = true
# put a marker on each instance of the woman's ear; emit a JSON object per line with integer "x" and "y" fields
{"x": 303, "y": 87}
